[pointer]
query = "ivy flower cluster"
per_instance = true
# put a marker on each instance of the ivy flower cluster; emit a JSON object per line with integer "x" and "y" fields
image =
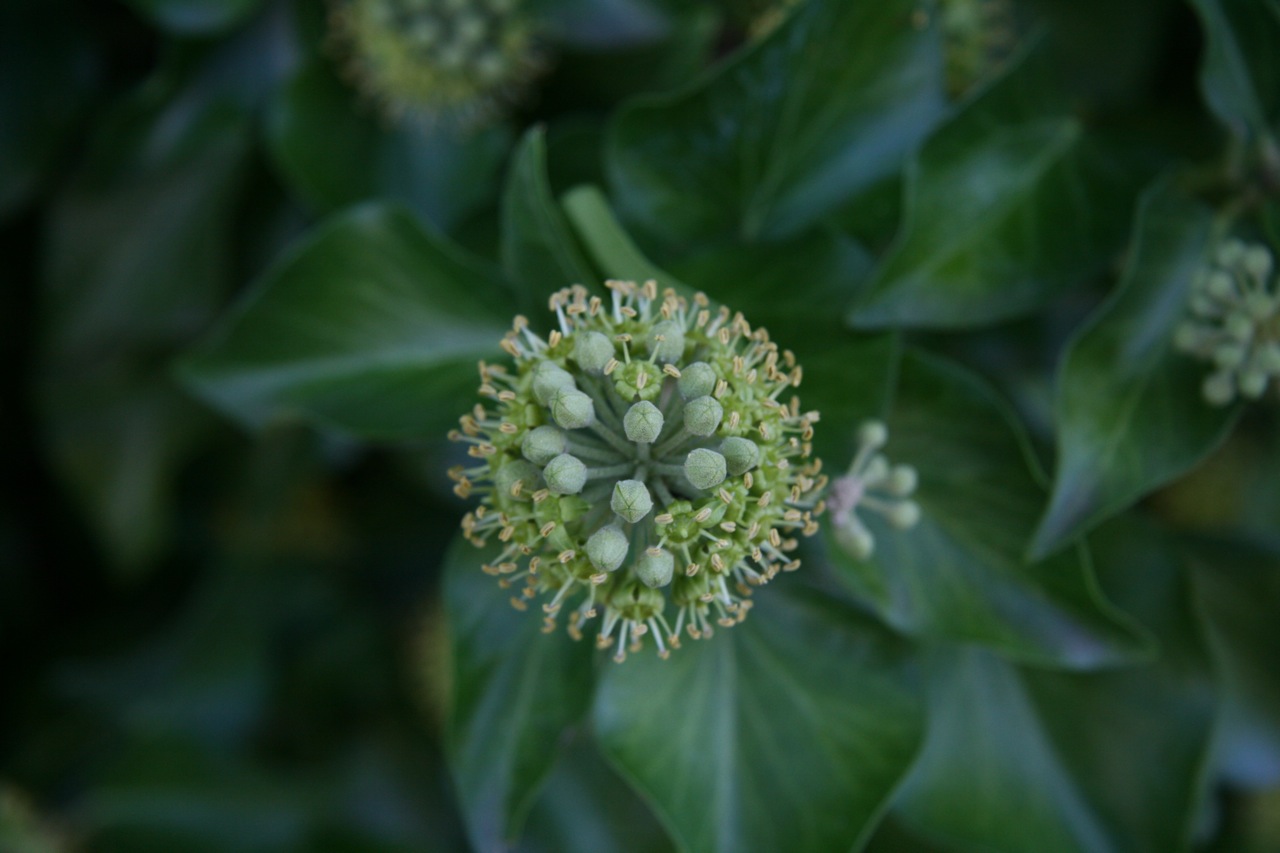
{"x": 433, "y": 58}
{"x": 642, "y": 463}
{"x": 871, "y": 483}
{"x": 1235, "y": 322}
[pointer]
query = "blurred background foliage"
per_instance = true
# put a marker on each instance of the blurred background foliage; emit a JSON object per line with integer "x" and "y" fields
{"x": 242, "y": 303}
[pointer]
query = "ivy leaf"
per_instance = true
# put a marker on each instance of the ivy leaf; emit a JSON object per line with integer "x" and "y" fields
{"x": 1007, "y": 206}
{"x": 539, "y": 249}
{"x": 1129, "y": 409}
{"x": 444, "y": 174}
{"x": 787, "y": 732}
{"x": 1019, "y": 758}
{"x": 196, "y": 17}
{"x": 371, "y": 326}
{"x": 607, "y": 242}
{"x": 516, "y": 691}
{"x": 1240, "y": 76}
{"x": 959, "y": 574}
{"x": 830, "y": 102}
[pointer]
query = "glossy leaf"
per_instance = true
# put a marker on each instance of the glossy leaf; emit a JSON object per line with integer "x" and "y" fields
{"x": 516, "y": 691}
{"x": 1007, "y": 206}
{"x": 370, "y": 326}
{"x": 539, "y": 249}
{"x": 1240, "y": 75}
{"x": 830, "y": 102}
{"x": 607, "y": 243}
{"x": 1019, "y": 758}
{"x": 443, "y": 173}
{"x": 787, "y": 732}
{"x": 197, "y": 17}
{"x": 959, "y": 575}
{"x": 1129, "y": 409}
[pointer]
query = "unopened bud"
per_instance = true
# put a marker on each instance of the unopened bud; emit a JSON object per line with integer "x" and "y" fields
{"x": 572, "y": 409}
{"x": 697, "y": 380}
{"x": 903, "y": 515}
{"x": 873, "y": 434}
{"x": 902, "y": 481}
{"x": 655, "y": 568}
{"x": 542, "y": 444}
{"x": 592, "y": 351}
{"x": 643, "y": 422}
{"x": 518, "y": 470}
{"x": 548, "y": 378}
{"x": 631, "y": 500}
{"x": 565, "y": 475}
{"x": 607, "y": 548}
{"x": 705, "y": 468}
{"x": 702, "y": 416}
{"x": 740, "y": 455}
{"x": 666, "y": 341}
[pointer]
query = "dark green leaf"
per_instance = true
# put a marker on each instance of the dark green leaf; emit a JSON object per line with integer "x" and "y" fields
{"x": 829, "y": 103}
{"x": 787, "y": 732}
{"x": 1129, "y": 409}
{"x": 1007, "y": 206}
{"x": 611, "y": 247}
{"x": 516, "y": 691}
{"x": 441, "y": 172}
{"x": 196, "y": 17}
{"x": 1020, "y": 758}
{"x": 371, "y": 326}
{"x": 960, "y": 574}
{"x": 539, "y": 250}
{"x": 1240, "y": 75}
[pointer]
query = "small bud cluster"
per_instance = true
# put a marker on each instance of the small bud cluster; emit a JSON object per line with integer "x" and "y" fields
{"x": 1235, "y": 323}
{"x": 978, "y": 36}
{"x": 640, "y": 461}
{"x": 871, "y": 483}
{"x": 433, "y": 58}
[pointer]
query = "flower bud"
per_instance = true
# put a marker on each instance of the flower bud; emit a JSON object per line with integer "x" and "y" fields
{"x": 655, "y": 568}
{"x": 565, "y": 475}
{"x": 1252, "y": 383}
{"x": 856, "y": 540}
{"x": 631, "y": 500}
{"x": 902, "y": 481}
{"x": 903, "y": 515}
{"x": 697, "y": 380}
{"x": 548, "y": 378}
{"x": 542, "y": 444}
{"x": 704, "y": 468}
{"x": 607, "y": 548}
{"x": 526, "y": 473}
{"x": 740, "y": 455}
{"x": 572, "y": 409}
{"x": 702, "y": 416}
{"x": 1219, "y": 388}
{"x": 592, "y": 351}
{"x": 666, "y": 341}
{"x": 873, "y": 434}
{"x": 643, "y": 423}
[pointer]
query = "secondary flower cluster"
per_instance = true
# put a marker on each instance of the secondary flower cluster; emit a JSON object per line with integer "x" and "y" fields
{"x": 871, "y": 483}
{"x": 432, "y": 58}
{"x": 1235, "y": 323}
{"x": 640, "y": 464}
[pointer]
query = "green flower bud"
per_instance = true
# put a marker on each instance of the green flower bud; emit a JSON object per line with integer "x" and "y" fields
{"x": 655, "y": 568}
{"x": 702, "y": 416}
{"x": 542, "y": 444}
{"x": 631, "y": 500}
{"x": 1252, "y": 383}
{"x": 592, "y": 351}
{"x": 643, "y": 422}
{"x": 873, "y": 434}
{"x": 704, "y": 468}
{"x": 1229, "y": 355}
{"x": 902, "y": 481}
{"x": 666, "y": 341}
{"x": 1219, "y": 389}
{"x": 903, "y": 515}
{"x": 740, "y": 455}
{"x": 697, "y": 380}
{"x": 572, "y": 409}
{"x": 518, "y": 470}
{"x": 565, "y": 475}
{"x": 548, "y": 378}
{"x": 607, "y": 548}
{"x": 856, "y": 540}
{"x": 1257, "y": 262}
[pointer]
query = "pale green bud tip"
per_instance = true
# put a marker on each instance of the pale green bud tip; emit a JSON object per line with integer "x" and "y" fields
{"x": 1218, "y": 389}
{"x": 592, "y": 351}
{"x": 643, "y": 422}
{"x": 902, "y": 480}
{"x": 697, "y": 380}
{"x": 705, "y": 468}
{"x": 873, "y": 434}
{"x": 740, "y": 455}
{"x": 702, "y": 416}
{"x": 1253, "y": 383}
{"x": 1220, "y": 285}
{"x": 903, "y": 515}
{"x": 666, "y": 341}
{"x": 1257, "y": 262}
{"x": 542, "y": 444}
{"x": 856, "y": 540}
{"x": 631, "y": 500}
{"x": 526, "y": 473}
{"x": 607, "y": 548}
{"x": 572, "y": 409}
{"x": 548, "y": 378}
{"x": 655, "y": 568}
{"x": 565, "y": 475}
